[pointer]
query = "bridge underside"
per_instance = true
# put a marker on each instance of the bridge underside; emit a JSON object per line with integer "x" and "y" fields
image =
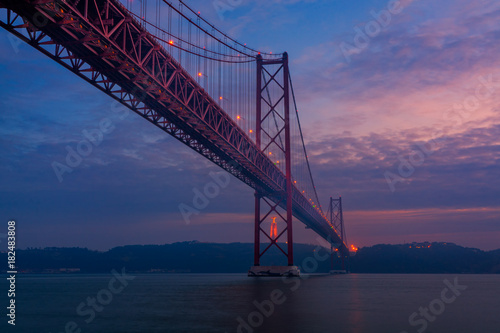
{"x": 99, "y": 41}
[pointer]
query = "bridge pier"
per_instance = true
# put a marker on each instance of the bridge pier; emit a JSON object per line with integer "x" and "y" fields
{"x": 274, "y": 271}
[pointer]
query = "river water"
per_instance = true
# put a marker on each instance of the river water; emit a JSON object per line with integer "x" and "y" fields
{"x": 354, "y": 303}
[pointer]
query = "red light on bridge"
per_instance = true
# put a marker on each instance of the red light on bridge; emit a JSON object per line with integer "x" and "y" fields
{"x": 200, "y": 74}
{"x": 171, "y": 42}
{"x": 220, "y": 98}
{"x": 251, "y": 131}
{"x": 238, "y": 117}
{"x": 354, "y": 248}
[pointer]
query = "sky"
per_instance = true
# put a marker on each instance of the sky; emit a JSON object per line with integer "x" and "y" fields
{"x": 400, "y": 118}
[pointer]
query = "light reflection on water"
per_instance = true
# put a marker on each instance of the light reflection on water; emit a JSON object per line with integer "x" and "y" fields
{"x": 212, "y": 303}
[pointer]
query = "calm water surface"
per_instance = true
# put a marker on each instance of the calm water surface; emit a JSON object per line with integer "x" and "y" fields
{"x": 355, "y": 303}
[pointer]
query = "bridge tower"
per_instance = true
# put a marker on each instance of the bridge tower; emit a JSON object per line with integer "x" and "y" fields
{"x": 337, "y": 219}
{"x": 277, "y": 73}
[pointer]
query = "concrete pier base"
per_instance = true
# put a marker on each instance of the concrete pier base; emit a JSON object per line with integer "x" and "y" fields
{"x": 274, "y": 271}
{"x": 338, "y": 271}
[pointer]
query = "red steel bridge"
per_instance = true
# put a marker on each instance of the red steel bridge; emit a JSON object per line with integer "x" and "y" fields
{"x": 230, "y": 103}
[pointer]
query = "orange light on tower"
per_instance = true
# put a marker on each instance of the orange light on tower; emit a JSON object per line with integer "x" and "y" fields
{"x": 238, "y": 117}
{"x": 171, "y": 42}
{"x": 274, "y": 229}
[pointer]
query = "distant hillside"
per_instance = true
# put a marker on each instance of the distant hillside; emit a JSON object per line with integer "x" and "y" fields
{"x": 196, "y": 257}
{"x": 425, "y": 258}
{"x": 183, "y": 257}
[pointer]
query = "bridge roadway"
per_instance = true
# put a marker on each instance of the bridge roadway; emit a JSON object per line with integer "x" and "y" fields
{"x": 102, "y": 43}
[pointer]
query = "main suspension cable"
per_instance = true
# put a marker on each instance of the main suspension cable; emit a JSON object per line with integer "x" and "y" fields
{"x": 303, "y": 144}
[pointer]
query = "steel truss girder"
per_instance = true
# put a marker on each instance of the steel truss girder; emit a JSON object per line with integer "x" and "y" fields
{"x": 144, "y": 67}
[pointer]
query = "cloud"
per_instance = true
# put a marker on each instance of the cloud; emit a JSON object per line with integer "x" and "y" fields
{"x": 459, "y": 171}
{"x": 409, "y": 75}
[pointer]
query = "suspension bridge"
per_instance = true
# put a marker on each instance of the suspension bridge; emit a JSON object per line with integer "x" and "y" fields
{"x": 230, "y": 103}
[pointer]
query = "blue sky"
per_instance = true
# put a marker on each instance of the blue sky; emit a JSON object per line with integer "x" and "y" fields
{"x": 424, "y": 91}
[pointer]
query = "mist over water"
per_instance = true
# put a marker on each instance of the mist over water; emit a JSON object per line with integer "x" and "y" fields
{"x": 354, "y": 303}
